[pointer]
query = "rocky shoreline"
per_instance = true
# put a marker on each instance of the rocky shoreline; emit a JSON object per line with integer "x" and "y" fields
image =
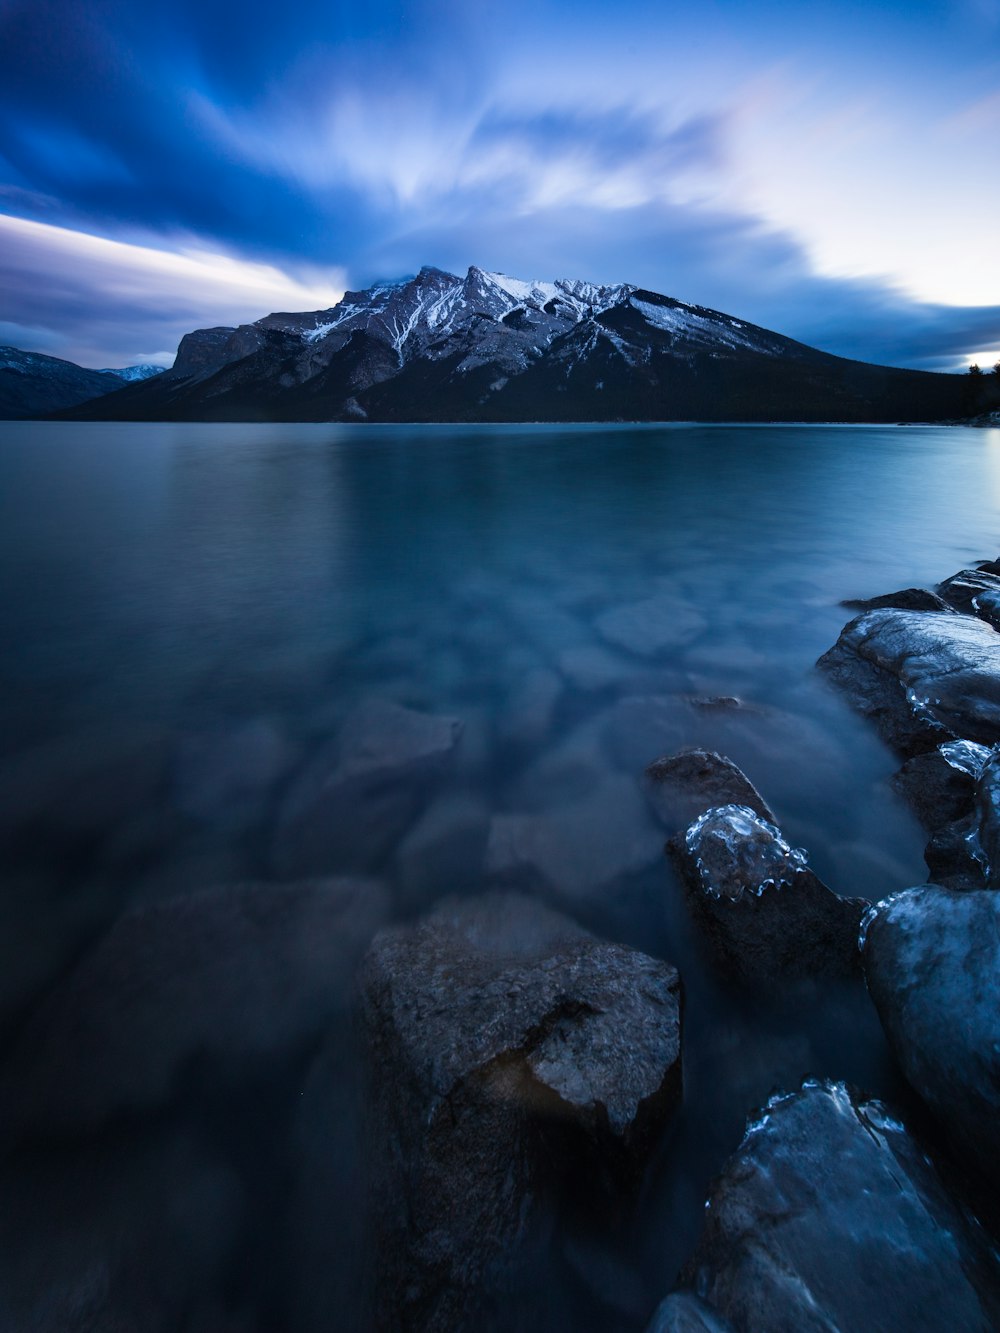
{"x": 504, "y": 1064}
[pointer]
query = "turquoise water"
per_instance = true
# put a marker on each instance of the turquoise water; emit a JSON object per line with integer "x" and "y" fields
{"x": 191, "y": 584}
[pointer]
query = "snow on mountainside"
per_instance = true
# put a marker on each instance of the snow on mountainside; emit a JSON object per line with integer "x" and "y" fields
{"x": 130, "y": 374}
{"x": 490, "y": 347}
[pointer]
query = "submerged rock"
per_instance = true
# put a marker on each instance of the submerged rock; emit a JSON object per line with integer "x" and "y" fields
{"x": 507, "y": 1048}
{"x": 683, "y": 1312}
{"x": 651, "y": 627}
{"x": 682, "y": 786}
{"x": 932, "y": 958}
{"x": 361, "y": 793}
{"x": 922, "y": 677}
{"x": 230, "y": 979}
{"x": 443, "y": 852}
{"x": 830, "y": 1216}
{"x": 767, "y": 916}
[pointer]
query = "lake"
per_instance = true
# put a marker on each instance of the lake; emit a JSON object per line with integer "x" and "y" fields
{"x": 191, "y": 612}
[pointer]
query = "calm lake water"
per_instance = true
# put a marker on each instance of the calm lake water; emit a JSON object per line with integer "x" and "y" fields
{"x": 190, "y": 611}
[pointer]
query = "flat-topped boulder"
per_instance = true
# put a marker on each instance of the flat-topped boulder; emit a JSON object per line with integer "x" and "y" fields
{"x": 362, "y": 791}
{"x": 830, "y": 1216}
{"x": 922, "y": 677}
{"x": 507, "y": 1048}
{"x": 767, "y": 916}
{"x": 932, "y": 959}
{"x": 232, "y": 979}
{"x": 906, "y": 599}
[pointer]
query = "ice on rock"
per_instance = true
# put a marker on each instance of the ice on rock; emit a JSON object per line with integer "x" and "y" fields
{"x": 966, "y": 756}
{"x": 751, "y": 849}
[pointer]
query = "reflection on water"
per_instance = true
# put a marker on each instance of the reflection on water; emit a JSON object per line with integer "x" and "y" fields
{"x": 197, "y": 617}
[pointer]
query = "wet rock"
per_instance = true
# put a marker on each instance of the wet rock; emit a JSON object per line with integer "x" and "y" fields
{"x": 360, "y": 794}
{"x": 767, "y": 916}
{"x": 683, "y": 1312}
{"x": 907, "y": 599}
{"x": 921, "y": 677}
{"x": 682, "y": 786}
{"x": 830, "y": 1216}
{"x": 444, "y": 851}
{"x": 223, "y": 775}
{"x": 951, "y": 856}
{"x": 937, "y": 791}
{"x": 579, "y": 851}
{"x": 652, "y": 627}
{"x": 988, "y": 811}
{"x": 508, "y": 1050}
{"x": 230, "y": 978}
{"x": 986, "y": 605}
{"x": 963, "y": 589}
{"x": 932, "y": 957}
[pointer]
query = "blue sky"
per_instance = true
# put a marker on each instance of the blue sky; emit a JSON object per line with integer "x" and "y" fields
{"x": 828, "y": 170}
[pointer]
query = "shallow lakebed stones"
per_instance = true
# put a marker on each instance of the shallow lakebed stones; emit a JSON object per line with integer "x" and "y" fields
{"x": 362, "y": 791}
{"x": 830, "y": 1216}
{"x": 508, "y": 1051}
{"x": 232, "y": 980}
{"x": 932, "y": 959}
{"x": 921, "y": 676}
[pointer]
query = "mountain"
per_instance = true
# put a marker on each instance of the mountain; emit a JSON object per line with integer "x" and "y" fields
{"x": 130, "y": 374}
{"x": 488, "y": 347}
{"x": 33, "y": 385}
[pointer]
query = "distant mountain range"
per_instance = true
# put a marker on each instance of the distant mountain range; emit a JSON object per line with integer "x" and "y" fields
{"x": 488, "y": 347}
{"x": 33, "y": 385}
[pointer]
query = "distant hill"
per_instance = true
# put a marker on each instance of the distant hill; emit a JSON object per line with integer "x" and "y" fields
{"x": 488, "y": 347}
{"x": 33, "y": 385}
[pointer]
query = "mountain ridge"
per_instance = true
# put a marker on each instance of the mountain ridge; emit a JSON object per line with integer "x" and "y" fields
{"x": 491, "y": 347}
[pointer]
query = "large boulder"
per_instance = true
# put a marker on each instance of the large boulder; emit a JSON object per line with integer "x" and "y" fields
{"x": 921, "y": 676}
{"x": 767, "y": 916}
{"x": 907, "y": 599}
{"x": 225, "y": 981}
{"x": 932, "y": 958}
{"x": 681, "y": 786}
{"x": 940, "y": 784}
{"x": 964, "y": 590}
{"x": 830, "y": 1216}
{"x": 361, "y": 792}
{"x": 508, "y": 1050}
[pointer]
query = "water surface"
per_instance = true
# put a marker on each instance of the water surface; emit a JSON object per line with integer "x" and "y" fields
{"x": 219, "y": 598}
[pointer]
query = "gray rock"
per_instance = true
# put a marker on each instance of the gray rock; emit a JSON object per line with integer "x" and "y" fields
{"x": 683, "y": 1312}
{"x": 682, "y": 786}
{"x": 986, "y": 605}
{"x": 907, "y": 599}
{"x": 988, "y": 811}
{"x": 360, "y": 794}
{"x": 768, "y": 917}
{"x": 964, "y": 588}
{"x": 935, "y": 789}
{"x": 652, "y": 627}
{"x": 444, "y": 852}
{"x": 951, "y": 856}
{"x": 830, "y": 1216}
{"x": 932, "y": 957}
{"x": 922, "y": 677}
{"x": 507, "y": 1048}
{"x": 234, "y": 977}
